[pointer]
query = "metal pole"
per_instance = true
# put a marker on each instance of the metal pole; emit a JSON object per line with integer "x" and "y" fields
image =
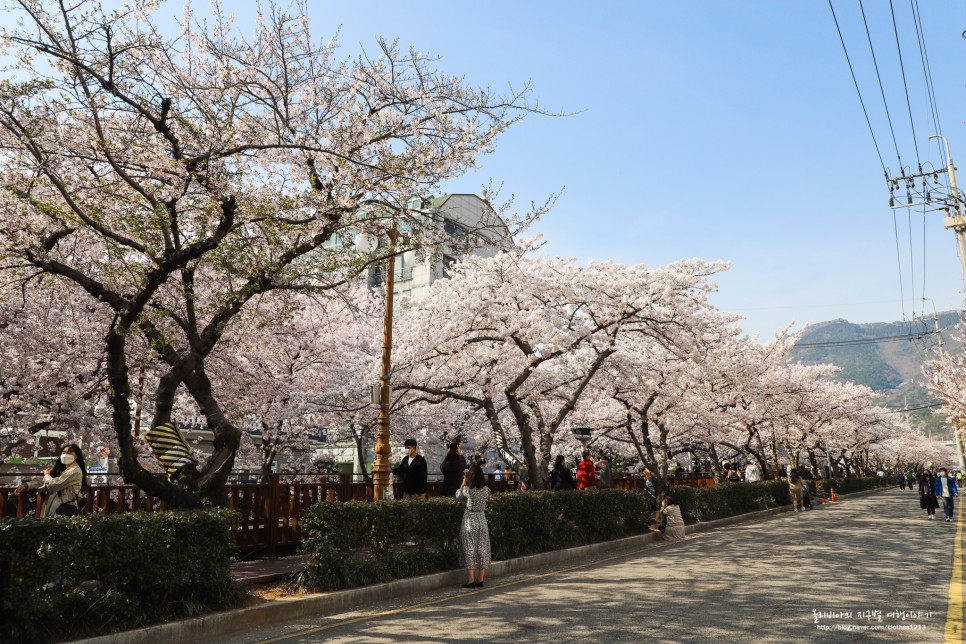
{"x": 381, "y": 468}
{"x": 957, "y": 222}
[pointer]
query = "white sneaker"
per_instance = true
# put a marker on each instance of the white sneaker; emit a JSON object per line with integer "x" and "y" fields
{"x": 930, "y": 517}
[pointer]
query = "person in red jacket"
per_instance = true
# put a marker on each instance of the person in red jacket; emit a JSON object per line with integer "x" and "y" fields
{"x": 586, "y": 474}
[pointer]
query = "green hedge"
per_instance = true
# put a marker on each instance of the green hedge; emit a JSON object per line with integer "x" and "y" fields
{"x": 351, "y": 544}
{"x": 729, "y": 499}
{"x": 66, "y": 578}
{"x": 849, "y": 485}
{"x": 356, "y": 543}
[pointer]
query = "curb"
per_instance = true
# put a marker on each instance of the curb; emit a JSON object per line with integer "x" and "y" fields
{"x": 227, "y": 622}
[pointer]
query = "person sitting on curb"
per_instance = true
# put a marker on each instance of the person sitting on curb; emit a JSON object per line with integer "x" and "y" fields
{"x": 673, "y": 521}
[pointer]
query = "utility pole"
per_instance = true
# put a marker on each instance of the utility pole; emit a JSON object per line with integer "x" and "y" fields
{"x": 955, "y": 220}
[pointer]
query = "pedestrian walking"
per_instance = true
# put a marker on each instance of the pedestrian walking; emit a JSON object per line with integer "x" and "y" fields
{"x": 673, "y": 522}
{"x": 61, "y": 484}
{"x": 902, "y": 480}
{"x": 606, "y": 475}
{"x": 586, "y": 473}
{"x": 945, "y": 489}
{"x": 795, "y": 489}
{"x": 927, "y": 496}
{"x": 453, "y": 468}
{"x": 561, "y": 478}
{"x": 910, "y": 480}
{"x": 474, "y": 531}
{"x": 413, "y": 472}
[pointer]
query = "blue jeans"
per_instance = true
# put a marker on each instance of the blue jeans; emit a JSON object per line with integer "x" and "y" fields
{"x": 947, "y": 506}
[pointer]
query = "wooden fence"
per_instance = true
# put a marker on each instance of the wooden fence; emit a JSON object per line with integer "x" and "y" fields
{"x": 271, "y": 510}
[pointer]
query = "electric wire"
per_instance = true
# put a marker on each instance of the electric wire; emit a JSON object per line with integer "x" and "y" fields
{"x": 902, "y": 290}
{"x": 927, "y": 74}
{"x": 861, "y": 341}
{"x": 905, "y": 85}
{"x": 895, "y": 143}
{"x": 875, "y": 63}
{"x": 931, "y": 406}
{"x": 855, "y": 82}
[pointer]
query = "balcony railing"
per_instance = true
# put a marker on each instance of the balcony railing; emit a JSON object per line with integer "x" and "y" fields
{"x": 403, "y": 275}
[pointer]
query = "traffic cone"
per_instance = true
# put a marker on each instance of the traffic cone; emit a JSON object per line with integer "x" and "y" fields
{"x": 833, "y": 495}
{"x": 823, "y": 500}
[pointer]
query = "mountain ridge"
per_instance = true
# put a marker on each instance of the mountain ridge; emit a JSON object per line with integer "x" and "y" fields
{"x": 885, "y": 356}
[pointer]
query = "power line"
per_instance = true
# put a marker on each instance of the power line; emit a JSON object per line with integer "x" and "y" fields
{"x": 927, "y": 74}
{"x": 900, "y": 411}
{"x": 875, "y": 63}
{"x": 902, "y": 290}
{"x": 887, "y": 338}
{"x": 905, "y": 85}
{"x": 857, "y": 90}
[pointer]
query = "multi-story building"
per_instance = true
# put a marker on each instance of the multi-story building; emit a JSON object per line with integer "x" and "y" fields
{"x": 473, "y": 227}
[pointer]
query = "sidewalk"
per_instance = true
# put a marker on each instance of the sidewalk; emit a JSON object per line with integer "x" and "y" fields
{"x": 258, "y": 571}
{"x": 261, "y": 571}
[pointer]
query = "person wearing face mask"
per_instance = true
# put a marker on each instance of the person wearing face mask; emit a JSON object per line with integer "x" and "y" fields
{"x": 61, "y": 484}
{"x": 413, "y": 472}
{"x": 945, "y": 489}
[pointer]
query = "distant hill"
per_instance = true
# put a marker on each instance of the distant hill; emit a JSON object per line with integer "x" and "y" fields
{"x": 887, "y": 357}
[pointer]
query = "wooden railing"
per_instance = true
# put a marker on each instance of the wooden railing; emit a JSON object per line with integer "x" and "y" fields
{"x": 271, "y": 509}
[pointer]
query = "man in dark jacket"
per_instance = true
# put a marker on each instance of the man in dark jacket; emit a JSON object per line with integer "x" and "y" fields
{"x": 453, "y": 468}
{"x": 413, "y": 471}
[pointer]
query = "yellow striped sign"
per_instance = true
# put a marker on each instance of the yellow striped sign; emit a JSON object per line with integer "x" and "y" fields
{"x": 170, "y": 448}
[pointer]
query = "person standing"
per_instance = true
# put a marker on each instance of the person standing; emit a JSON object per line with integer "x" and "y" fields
{"x": 413, "y": 472}
{"x": 561, "y": 478}
{"x": 474, "y": 531}
{"x": 927, "y": 497}
{"x": 752, "y": 473}
{"x": 606, "y": 475}
{"x": 586, "y": 473}
{"x": 795, "y": 489}
{"x": 945, "y": 489}
{"x": 453, "y": 468}
{"x": 61, "y": 484}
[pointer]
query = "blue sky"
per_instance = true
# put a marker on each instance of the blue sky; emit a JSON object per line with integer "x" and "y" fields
{"x": 722, "y": 130}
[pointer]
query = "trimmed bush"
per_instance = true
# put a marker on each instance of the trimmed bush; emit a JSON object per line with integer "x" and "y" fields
{"x": 355, "y": 543}
{"x": 729, "y": 499}
{"x": 65, "y": 578}
{"x": 848, "y": 485}
{"x": 352, "y": 544}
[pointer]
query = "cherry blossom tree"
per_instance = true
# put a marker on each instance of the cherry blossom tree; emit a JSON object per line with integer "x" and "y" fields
{"x": 52, "y": 373}
{"x": 174, "y": 180}
{"x": 520, "y": 339}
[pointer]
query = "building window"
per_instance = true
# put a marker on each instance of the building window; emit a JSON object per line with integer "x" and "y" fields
{"x": 453, "y": 228}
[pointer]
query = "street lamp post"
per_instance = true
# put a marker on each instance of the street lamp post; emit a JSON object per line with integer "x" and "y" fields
{"x": 381, "y": 467}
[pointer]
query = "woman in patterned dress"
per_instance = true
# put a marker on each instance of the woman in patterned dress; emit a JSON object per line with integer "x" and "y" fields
{"x": 474, "y": 531}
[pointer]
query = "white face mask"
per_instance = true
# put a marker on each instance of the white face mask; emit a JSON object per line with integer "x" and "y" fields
{"x": 66, "y": 459}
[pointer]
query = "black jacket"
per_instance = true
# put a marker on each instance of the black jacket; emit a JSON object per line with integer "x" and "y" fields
{"x": 413, "y": 473}
{"x": 562, "y": 478}
{"x": 452, "y": 468}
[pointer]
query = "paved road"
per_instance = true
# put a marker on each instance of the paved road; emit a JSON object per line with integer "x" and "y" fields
{"x": 828, "y": 575}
